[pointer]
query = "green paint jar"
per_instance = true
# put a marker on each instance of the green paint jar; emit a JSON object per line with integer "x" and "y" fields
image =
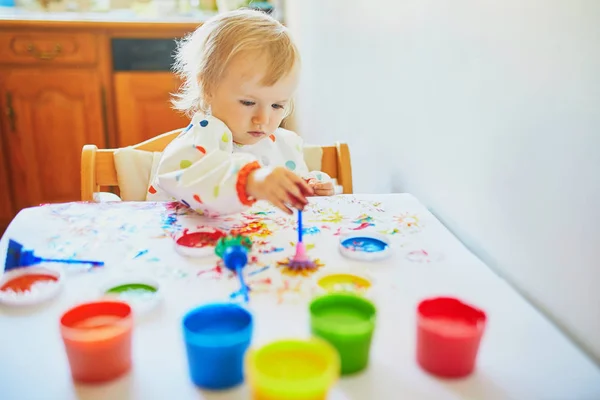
{"x": 347, "y": 321}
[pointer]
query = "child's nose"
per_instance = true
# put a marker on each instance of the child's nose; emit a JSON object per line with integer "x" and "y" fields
{"x": 260, "y": 118}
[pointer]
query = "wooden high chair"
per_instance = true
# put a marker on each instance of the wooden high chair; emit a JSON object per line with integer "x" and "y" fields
{"x": 98, "y": 165}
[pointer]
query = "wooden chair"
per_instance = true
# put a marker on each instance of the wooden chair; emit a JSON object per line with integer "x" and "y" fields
{"x": 98, "y": 165}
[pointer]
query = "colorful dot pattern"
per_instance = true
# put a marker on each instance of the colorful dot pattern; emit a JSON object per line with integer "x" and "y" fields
{"x": 291, "y": 165}
{"x": 185, "y": 164}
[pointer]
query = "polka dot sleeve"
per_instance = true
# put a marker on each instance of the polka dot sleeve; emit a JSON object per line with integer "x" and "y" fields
{"x": 292, "y": 145}
{"x": 200, "y": 170}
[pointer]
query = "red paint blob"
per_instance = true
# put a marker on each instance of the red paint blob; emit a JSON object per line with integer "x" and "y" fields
{"x": 200, "y": 239}
{"x": 25, "y": 282}
{"x": 151, "y": 189}
{"x": 201, "y": 149}
{"x": 272, "y": 137}
{"x": 197, "y": 198}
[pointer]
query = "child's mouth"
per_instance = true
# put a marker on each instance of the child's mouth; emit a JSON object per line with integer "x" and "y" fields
{"x": 257, "y": 134}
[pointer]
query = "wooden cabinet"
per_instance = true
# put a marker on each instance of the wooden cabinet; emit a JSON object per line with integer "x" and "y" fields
{"x": 7, "y": 209}
{"x": 62, "y": 86}
{"x": 50, "y": 114}
{"x": 143, "y": 105}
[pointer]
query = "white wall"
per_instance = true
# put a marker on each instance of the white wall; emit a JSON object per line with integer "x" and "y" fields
{"x": 488, "y": 111}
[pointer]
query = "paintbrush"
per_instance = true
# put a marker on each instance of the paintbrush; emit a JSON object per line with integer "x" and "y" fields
{"x": 235, "y": 259}
{"x": 17, "y": 256}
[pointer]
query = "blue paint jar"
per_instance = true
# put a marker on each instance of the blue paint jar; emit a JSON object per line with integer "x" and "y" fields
{"x": 217, "y": 336}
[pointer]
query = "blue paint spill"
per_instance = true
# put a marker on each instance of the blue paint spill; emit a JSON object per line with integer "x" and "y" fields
{"x": 203, "y": 123}
{"x": 187, "y": 129}
{"x": 140, "y": 253}
{"x": 258, "y": 271}
{"x": 366, "y": 244}
{"x": 312, "y": 230}
{"x": 271, "y": 250}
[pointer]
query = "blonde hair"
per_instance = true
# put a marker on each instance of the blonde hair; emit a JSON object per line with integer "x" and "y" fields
{"x": 203, "y": 56}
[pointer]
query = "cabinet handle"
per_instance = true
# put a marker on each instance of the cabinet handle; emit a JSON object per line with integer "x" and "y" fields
{"x": 43, "y": 55}
{"x": 104, "y": 115}
{"x": 10, "y": 113}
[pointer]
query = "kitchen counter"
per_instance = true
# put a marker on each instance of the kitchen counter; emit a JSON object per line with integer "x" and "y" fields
{"x": 117, "y": 19}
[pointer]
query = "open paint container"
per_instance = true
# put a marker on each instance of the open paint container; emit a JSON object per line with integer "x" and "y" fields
{"x": 198, "y": 243}
{"x": 367, "y": 246}
{"x": 292, "y": 369}
{"x": 30, "y": 285}
{"x": 347, "y": 322}
{"x": 141, "y": 293}
{"x": 344, "y": 280}
{"x": 449, "y": 333}
{"x": 97, "y": 339}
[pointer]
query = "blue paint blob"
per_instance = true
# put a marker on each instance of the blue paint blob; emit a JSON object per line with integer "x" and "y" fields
{"x": 365, "y": 244}
{"x": 203, "y": 123}
{"x": 312, "y": 230}
{"x": 187, "y": 128}
{"x": 185, "y": 203}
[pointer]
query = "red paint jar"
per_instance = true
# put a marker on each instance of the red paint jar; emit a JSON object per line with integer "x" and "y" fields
{"x": 97, "y": 338}
{"x": 448, "y": 336}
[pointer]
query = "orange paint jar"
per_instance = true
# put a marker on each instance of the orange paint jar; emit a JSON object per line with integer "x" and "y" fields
{"x": 97, "y": 338}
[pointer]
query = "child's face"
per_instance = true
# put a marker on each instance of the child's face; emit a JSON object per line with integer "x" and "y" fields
{"x": 251, "y": 110}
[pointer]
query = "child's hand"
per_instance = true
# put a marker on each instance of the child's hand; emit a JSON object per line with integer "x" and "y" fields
{"x": 321, "y": 188}
{"x": 279, "y": 186}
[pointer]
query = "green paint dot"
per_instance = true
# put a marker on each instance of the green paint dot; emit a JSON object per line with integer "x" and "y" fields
{"x": 185, "y": 164}
{"x": 216, "y": 191}
{"x": 132, "y": 287}
{"x": 225, "y": 137}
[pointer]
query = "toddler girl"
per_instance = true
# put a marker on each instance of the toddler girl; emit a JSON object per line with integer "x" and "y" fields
{"x": 240, "y": 71}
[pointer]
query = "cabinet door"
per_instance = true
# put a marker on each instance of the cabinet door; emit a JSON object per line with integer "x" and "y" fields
{"x": 49, "y": 115}
{"x": 143, "y": 104}
{"x": 7, "y": 211}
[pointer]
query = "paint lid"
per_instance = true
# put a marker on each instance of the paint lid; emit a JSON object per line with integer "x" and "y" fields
{"x": 366, "y": 246}
{"x": 30, "y": 285}
{"x": 198, "y": 243}
{"x": 141, "y": 293}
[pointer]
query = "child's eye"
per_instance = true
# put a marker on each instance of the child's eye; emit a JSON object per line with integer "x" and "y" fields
{"x": 277, "y": 106}
{"x": 247, "y": 103}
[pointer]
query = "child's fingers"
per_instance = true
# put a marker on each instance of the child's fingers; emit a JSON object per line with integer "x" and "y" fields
{"x": 294, "y": 193}
{"x": 304, "y": 187}
{"x": 324, "y": 192}
{"x": 280, "y": 204}
{"x": 287, "y": 198}
{"x": 323, "y": 186}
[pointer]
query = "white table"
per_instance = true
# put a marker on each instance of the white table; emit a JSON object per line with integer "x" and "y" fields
{"x": 522, "y": 356}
